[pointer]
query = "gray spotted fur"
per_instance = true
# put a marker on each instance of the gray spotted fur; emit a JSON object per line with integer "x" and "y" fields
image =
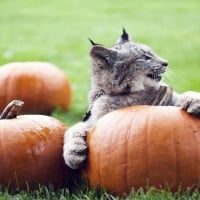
{"x": 128, "y": 73}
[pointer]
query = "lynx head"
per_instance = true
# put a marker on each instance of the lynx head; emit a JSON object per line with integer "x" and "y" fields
{"x": 125, "y": 67}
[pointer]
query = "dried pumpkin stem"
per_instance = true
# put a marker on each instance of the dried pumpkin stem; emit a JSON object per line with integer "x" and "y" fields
{"x": 12, "y": 109}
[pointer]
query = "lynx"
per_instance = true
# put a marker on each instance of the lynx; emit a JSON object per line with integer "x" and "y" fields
{"x": 128, "y": 73}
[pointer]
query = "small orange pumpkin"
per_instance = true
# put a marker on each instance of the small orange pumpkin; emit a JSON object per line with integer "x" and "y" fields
{"x": 41, "y": 85}
{"x": 143, "y": 146}
{"x": 31, "y": 150}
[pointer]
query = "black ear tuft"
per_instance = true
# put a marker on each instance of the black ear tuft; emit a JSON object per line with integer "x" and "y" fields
{"x": 92, "y": 42}
{"x": 125, "y": 35}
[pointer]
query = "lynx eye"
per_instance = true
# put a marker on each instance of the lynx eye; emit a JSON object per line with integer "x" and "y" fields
{"x": 147, "y": 57}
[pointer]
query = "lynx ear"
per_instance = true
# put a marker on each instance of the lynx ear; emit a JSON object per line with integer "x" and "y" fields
{"x": 103, "y": 54}
{"x": 124, "y": 37}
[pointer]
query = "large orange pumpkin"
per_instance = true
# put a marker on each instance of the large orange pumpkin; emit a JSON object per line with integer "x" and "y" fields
{"x": 31, "y": 150}
{"x": 42, "y": 86}
{"x": 144, "y": 146}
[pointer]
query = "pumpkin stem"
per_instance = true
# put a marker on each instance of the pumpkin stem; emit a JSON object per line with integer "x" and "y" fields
{"x": 12, "y": 109}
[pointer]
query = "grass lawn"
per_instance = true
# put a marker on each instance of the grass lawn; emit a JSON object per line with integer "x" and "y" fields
{"x": 57, "y": 32}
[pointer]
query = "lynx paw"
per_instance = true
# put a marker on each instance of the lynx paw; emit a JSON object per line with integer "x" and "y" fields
{"x": 191, "y": 104}
{"x": 75, "y": 147}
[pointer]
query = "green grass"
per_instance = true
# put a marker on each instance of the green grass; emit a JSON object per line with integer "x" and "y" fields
{"x": 84, "y": 193}
{"x": 56, "y": 31}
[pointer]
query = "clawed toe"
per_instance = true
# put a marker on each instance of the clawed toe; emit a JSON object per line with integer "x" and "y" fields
{"x": 193, "y": 107}
{"x": 194, "y": 110}
{"x": 80, "y": 149}
{"x": 75, "y": 153}
{"x": 74, "y": 161}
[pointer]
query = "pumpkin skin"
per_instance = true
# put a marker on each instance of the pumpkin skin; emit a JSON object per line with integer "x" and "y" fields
{"x": 31, "y": 152}
{"x": 144, "y": 146}
{"x": 42, "y": 86}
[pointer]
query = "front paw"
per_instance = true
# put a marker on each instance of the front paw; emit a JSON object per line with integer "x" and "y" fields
{"x": 75, "y": 153}
{"x": 191, "y": 104}
{"x": 75, "y": 148}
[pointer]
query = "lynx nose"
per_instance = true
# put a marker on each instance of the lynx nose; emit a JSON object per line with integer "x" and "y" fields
{"x": 165, "y": 63}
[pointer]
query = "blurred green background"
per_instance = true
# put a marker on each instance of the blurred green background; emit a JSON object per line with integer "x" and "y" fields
{"x": 56, "y": 31}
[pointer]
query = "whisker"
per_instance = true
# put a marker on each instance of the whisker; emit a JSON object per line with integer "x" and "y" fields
{"x": 169, "y": 75}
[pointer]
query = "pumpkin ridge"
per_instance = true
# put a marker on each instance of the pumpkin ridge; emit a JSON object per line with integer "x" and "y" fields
{"x": 110, "y": 147}
{"x": 4, "y": 97}
{"x": 2, "y": 144}
{"x": 35, "y": 123}
{"x": 125, "y": 138}
{"x": 98, "y": 162}
{"x": 41, "y": 85}
{"x": 111, "y": 135}
{"x": 126, "y": 159}
{"x": 8, "y": 86}
{"x": 100, "y": 170}
{"x": 196, "y": 138}
{"x": 176, "y": 158}
{"x": 128, "y": 185}
{"x": 147, "y": 145}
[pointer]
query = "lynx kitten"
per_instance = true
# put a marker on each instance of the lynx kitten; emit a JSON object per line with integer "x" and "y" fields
{"x": 128, "y": 73}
